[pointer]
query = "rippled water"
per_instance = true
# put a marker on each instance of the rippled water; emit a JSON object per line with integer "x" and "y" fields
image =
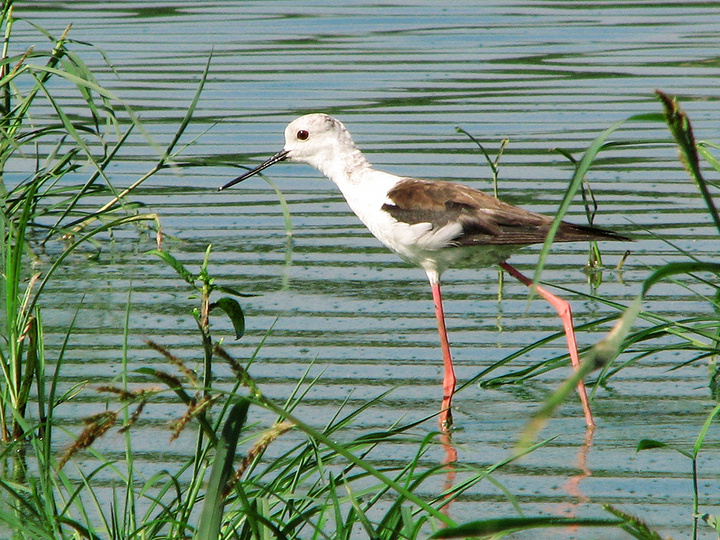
{"x": 402, "y": 76}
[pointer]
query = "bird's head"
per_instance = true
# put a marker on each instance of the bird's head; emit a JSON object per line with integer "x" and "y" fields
{"x": 316, "y": 139}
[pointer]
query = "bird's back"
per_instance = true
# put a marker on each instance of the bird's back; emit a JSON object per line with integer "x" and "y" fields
{"x": 480, "y": 218}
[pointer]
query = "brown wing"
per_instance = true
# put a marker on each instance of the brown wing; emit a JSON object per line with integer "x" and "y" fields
{"x": 484, "y": 219}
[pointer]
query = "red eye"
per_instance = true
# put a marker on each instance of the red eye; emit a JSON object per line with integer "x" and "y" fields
{"x": 302, "y": 135}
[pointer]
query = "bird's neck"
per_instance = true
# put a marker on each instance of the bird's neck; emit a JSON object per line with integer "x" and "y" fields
{"x": 344, "y": 168}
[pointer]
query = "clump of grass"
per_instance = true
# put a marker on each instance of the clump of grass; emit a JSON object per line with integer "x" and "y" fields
{"x": 695, "y": 333}
{"x": 98, "y": 425}
{"x": 322, "y": 484}
{"x": 699, "y": 333}
{"x": 651, "y": 444}
{"x": 59, "y": 148}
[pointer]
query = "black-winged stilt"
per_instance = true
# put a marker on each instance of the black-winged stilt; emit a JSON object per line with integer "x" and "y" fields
{"x": 433, "y": 224}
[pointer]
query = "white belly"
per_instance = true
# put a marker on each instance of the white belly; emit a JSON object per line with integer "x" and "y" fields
{"x": 419, "y": 244}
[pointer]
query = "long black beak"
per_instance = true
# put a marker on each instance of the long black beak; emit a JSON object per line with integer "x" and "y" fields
{"x": 280, "y": 156}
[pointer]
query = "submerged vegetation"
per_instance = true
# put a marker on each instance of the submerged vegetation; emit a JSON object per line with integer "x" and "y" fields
{"x": 292, "y": 479}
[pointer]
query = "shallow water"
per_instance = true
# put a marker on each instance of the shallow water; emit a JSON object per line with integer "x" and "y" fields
{"x": 402, "y": 76}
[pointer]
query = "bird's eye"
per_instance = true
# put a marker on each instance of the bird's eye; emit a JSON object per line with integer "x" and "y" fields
{"x": 302, "y": 135}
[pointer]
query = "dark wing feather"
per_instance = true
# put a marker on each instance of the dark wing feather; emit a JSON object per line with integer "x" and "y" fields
{"x": 485, "y": 220}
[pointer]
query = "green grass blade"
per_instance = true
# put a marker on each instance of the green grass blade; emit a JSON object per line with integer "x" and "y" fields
{"x": 508, "y": 525}
{"x": 89, "y": 184}
{"x": 702, "y": 147}
{"x": 704, "y": 430}
{"x": 283, "y": 205}
{"x": 189, "y": 113}
{"x": 176, "y": 265}
{"x": 581, "y": 170}
{"x": 222, "y": 469}
{"x": 681, "y": 130}
{"x": 633, "y": 525}
{"x": 234, "y": 311}
{"x": 652, "y": 444}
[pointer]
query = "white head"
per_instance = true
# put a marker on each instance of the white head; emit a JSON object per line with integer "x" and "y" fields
{"x": 318, "y": 140}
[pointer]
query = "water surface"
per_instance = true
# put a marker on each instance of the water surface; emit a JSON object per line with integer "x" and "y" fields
{"x": 402, "y": 76}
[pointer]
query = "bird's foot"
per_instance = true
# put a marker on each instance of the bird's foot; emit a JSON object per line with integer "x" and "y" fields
{"x": 445, "y": 421}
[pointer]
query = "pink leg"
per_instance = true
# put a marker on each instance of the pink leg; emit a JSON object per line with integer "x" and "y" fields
{"x": 563, "y": 309}
{"x": 449, "y": 375}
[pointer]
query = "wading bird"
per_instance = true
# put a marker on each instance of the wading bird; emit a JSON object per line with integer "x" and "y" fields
{"x": 434, "y": 224}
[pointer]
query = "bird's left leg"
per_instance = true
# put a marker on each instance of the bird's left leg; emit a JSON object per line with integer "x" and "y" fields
{"x": 563, "y": 309}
